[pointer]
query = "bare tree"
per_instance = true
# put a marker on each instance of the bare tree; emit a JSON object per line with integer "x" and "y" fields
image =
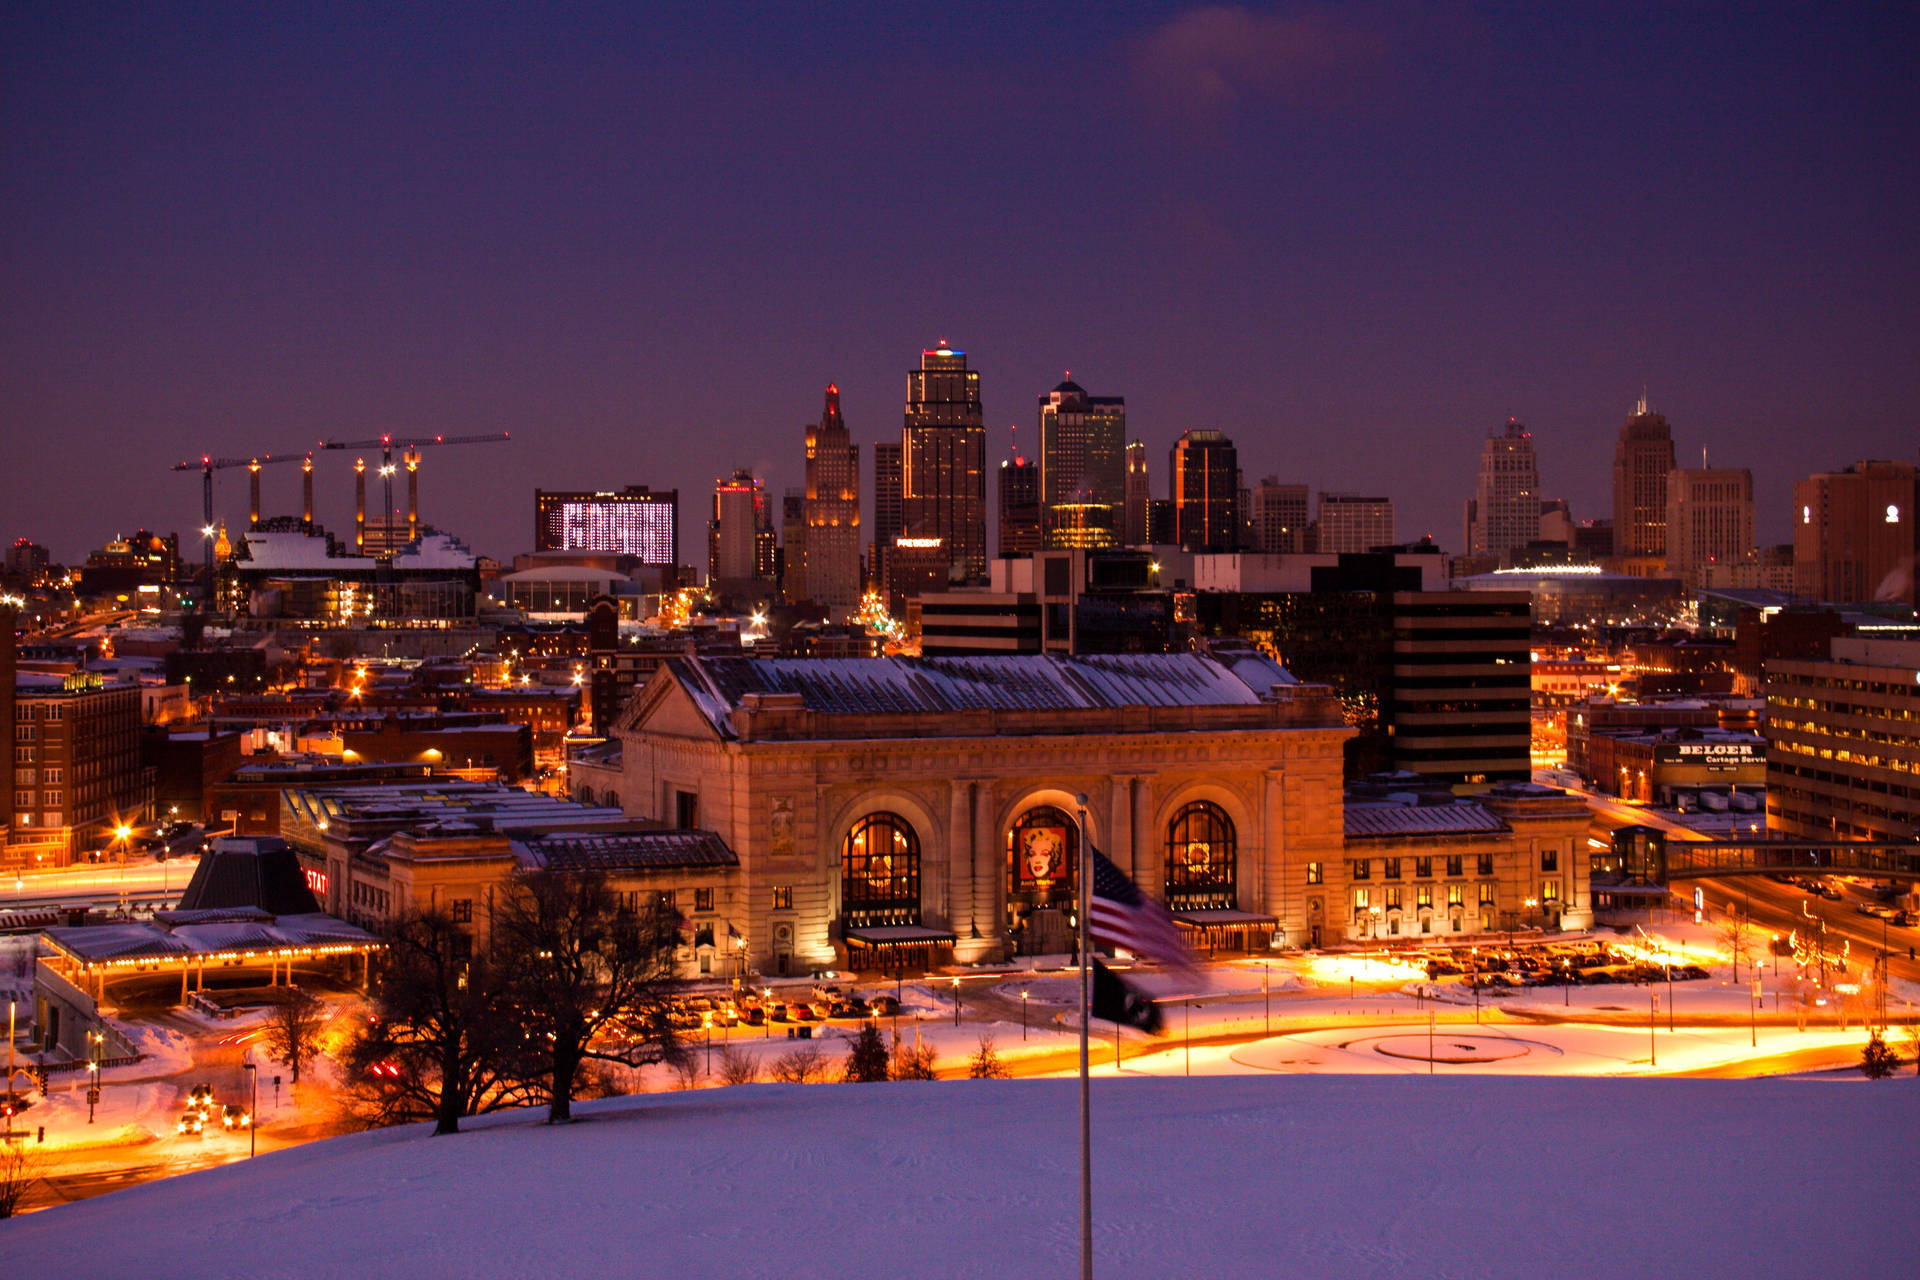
{"x": 435, "y": 1046}
{"x": 1735, "y": 932}
{"x": 985, "y": 1063}
{"x": 737, "y": 1067}
{"x": 911, "y": 1062}
{"x": 293, "y": 1030}
{"x": 19, "y": 1169}
{"x": 1912, "y": 1036}
{"x": 802, "y": 1065}
{"x": 686, "y": 1070}
{"x": 587, "y": 979}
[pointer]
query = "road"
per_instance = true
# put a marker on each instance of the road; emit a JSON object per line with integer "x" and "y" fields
{"x": 103, "y": 883}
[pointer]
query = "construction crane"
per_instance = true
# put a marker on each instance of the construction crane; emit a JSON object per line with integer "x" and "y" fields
{"x": 410, "y": 447}
{"x": 209, "y": 464}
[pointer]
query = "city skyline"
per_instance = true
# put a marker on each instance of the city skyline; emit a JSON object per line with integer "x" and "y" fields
{"x": 1347, "y": 246}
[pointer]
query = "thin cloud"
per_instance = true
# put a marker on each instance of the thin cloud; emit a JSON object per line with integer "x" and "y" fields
{"x": 1204, "y": 67}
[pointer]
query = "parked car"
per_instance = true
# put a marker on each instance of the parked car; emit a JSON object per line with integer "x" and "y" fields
{"x": 800, "y": 1013}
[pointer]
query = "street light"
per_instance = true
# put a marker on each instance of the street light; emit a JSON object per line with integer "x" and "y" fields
{"x": 766, "y": 1012}
{"x": 253, "y": 1106}
{"x": 956, "y": 1002}
{"x": 1023, "y": 1015}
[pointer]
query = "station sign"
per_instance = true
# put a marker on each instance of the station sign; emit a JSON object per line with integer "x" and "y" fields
{"x": 1720, "y": 755}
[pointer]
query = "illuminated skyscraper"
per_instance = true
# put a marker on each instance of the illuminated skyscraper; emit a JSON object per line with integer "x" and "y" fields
{"x": 1019, "y": 506}
{"x": 832, "y": 552}
{"x": 1206, "y": 491}
{"x": 1642, "y": 459}
{"x": 1082, "y": 450}
{"x": 740, "y": 534}
{"x": 944, "y": 463}
{"x": 635, "y": 521}
{"x": 888, "y": 507}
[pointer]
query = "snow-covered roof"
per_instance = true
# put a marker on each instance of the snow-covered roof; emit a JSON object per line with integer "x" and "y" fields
{"x": 435, "y": 551}
{"x": 584, "y": 851}
{"x": 192, "y": 933}
{"x": 563, "y": 573}
{"x": 1389, "y": 818}
{"x": 281, "y": 551}
{"x": 1027, "y": 682}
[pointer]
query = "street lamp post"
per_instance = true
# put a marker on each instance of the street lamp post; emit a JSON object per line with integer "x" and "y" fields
{"x": 1266, "y": 993}
{"x": 1023, "y": 1015}
{"x": 956, "y": 1002}
{"x": 708, "y": 1021}
{"x": 253, "y": 1107}
{"x": 766, "y": 1013}
{"x": 1189, "y": 1037}
{"x": 1653, "y": 1012}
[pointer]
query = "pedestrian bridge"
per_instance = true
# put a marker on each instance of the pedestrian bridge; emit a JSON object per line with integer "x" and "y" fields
{"x": 1692, "y": 859}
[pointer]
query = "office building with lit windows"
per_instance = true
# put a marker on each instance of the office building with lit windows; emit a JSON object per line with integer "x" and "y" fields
{"x": 1855, "y": 537}
{"x": 943, "y": 475}
{"x": 1843, "y": 742}
{"x": 634, "y": 521}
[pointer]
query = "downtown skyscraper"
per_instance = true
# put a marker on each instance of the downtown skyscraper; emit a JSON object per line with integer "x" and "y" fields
{"x": 1206, "y": 491}
{"x": 944, "y": 462}
{"x": 832, "y": 553}
{"x": 1642, "y": 460}
{"x": 1082, "y": 453}
{"x": 1504, "y": 514}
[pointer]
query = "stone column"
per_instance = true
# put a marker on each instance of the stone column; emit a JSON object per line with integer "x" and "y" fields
{"x": 989, "y": 876}
{"x": 1120, "y": 824}
{"x": 959, "y": 842}
{"x": 1147, "y": 862}
{"x": 1271, "y": 889}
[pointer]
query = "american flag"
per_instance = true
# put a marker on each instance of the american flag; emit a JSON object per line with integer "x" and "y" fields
{"x": 1122, "y": 916}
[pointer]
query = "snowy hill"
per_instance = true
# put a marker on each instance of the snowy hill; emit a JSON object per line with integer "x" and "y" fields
{"x": 1302, "y": 1176}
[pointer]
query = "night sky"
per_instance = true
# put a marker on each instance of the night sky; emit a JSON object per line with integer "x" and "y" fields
{"x": 643, "y": 240}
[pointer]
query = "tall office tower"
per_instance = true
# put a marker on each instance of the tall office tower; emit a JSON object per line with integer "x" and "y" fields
{"x": 1082, "y": 449}
{"x": 1854, "y": 533}
{"x": 1455, "y": 702}
{"x": 1020, "y": 533}
{"x": 635, "y": 521}
{"x": 9, "y": 716}
{"x": 1134, "y": 514}
{"x": 1642, "y": 457}
{"x": 1507, "y": 499}
{"x": 1279, "y": 517}
{"x": 944, "y": 463}
{"x": 1206, "y": 491}
{"x": 889, "y": 507}
{"x": 1709, "y": 525}
{"x": 1349, "y": 523}
{"x": 734, "y": 551}
{"x": 1160, "y": 522}
{"x": 793, "y": 546}
{"x": 833, "y": 508}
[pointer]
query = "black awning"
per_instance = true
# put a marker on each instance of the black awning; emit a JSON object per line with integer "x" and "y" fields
{"x": 896, "y": 935}
{"x": 1215, "y": 918}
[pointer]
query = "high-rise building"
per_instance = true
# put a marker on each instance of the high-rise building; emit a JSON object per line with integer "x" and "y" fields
{"x": 1506, "y": 501}
{"x": 944, "y": 463}
{"x": 1160, "y": 528}
{"x": 833, "y": 509}
{"x": 1642, "y": 460}
{"x": 734, "y": 551}
{"x": 1349, "y": 523}
{"x": 1709, "y": 524}
{"x": 1205, "y": 469}
{"x": 1841, "y": 754}
{"x": 793, "y": 546}
{"x": 77, "y": 773}
{"x": 889, "y": 507}
{"x": 1135, "y": 527}
{"x": 1019, "y": 506}
{"x": 634, "y": 521}
{"x": 1279, "y": 517}
{"x": 1082, "y": 449}
{"x": 1456, "y": 705}
{"x": 1855, "y": 537}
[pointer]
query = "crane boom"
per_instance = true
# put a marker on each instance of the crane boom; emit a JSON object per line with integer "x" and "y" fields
{"x": 410, "y": 445}
{"x": 416, "y": 442}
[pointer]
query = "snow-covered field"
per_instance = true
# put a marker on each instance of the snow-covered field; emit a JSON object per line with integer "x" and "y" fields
{"x": 1309, "y": 1176}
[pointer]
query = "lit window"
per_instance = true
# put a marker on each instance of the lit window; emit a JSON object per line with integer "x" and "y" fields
{"x": 1893, "y": 514}
{"x": 1314, "y": 873}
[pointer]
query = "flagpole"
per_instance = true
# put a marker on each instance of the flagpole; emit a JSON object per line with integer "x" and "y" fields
{"x": 1086, "y": 1016}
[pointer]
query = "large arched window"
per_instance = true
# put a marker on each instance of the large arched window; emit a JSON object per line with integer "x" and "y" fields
{"x": 880, "y": 872}
{"x": 1200, "y": 859}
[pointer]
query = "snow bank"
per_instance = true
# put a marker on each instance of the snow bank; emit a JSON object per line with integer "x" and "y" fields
{"x": 1268, "y": 1175}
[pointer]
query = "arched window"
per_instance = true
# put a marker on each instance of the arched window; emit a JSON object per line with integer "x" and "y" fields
{"x": 880, "y": 872}
{"x": 1200, "y": 859}
{"x": 1042, "y": 850}
{"x": 586, "y": 795}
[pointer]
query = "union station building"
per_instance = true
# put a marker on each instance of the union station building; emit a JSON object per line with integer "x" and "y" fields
{"x": 887, "y": 813}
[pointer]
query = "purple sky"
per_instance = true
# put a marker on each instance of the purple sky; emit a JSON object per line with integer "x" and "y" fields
{"x": 1354, "y": 237}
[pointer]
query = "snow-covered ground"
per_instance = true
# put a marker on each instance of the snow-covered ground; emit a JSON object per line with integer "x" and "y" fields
{"x": 1346, "y": 1176}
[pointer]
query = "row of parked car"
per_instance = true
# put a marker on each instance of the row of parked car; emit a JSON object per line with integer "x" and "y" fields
{"x": 757, "y": 1009}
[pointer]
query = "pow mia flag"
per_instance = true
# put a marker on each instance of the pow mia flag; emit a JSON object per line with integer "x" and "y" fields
{"x": 1117, "y": 1000}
